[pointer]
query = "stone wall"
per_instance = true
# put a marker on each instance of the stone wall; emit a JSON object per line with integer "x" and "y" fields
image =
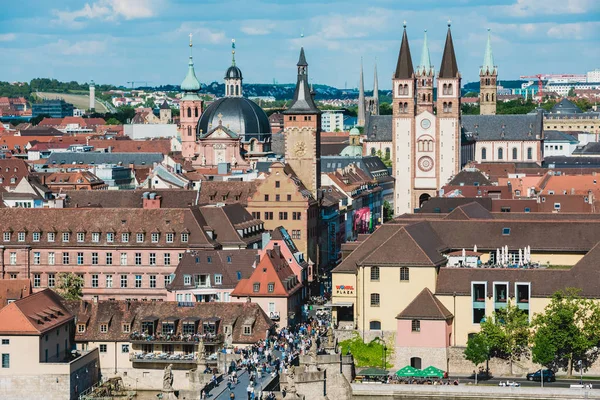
{"x": 436, "y": 356}
{"x": 47, "y": 387}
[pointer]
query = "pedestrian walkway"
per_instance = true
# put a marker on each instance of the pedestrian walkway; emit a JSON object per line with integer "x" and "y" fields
{"x": 240, "y": 390}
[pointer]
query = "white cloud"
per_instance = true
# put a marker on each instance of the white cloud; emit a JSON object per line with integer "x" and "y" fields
{"x": 257, "y": 27}
{"x": 202, "y": 34}
{"x": 7, "y": 37}
{"x": 339, "y": 26}
{"x": 108, "y": 10}
{"x": 529, "y": 8}
{"x": 85, "y": 47}
{"x": 544, "y": 30}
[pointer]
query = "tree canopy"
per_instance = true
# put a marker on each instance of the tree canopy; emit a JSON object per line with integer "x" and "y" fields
{"x": 70, "y": 286}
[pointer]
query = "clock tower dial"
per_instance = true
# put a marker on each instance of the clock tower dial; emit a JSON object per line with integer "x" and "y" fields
{"x": 425, "y": 124}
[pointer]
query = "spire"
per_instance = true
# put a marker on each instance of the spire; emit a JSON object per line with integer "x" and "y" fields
{"x": 303, "y": 102}
{"x": 488, "y": 57}
{"x": 361, "y": 98}
{"x": 190, "y": 83}
{"x": 376, "y": 85}
{"x": 233, "y": 52}
{"x": 404, "y": 68}
{"x": 449, "y": 68}
{"x": 425, "y": 66}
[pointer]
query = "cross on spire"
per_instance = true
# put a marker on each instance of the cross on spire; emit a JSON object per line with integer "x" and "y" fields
{"x": 191, "y": 34}
{"x": 232, "y": 51}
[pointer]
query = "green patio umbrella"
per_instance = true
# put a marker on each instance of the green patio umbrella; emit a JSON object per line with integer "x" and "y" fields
{"x": 432, "y": 372}
{"x": 372, "y": 371}
{"x": 408, "y": 372}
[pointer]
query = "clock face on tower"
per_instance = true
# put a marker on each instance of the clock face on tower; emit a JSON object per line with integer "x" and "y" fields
{"x": 425, "y": 124}
{"x": 299, "y": 149}
{"x": 425, "y": 163}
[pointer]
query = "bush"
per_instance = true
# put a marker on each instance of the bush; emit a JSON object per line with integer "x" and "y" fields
{"x": 367, "y": 354}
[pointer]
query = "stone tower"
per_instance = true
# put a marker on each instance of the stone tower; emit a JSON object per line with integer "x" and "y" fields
{"x": 233, "y": 77}
{"x": 425, "y": 76}
{"x": 302, "y": 132}
{"x": 165, "y": 113}
{"x": 488, "y": 75}
{"x": 360, "y": 121}
{"x": 92, "y": 96}
{"x": 403, "y": 120}
{"x": 190, "y": 109}
{"x": 448, "y": 114}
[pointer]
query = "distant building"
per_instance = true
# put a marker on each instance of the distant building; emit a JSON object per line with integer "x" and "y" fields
{"x": 593, "y": 76}
{"x": 566, "y": 116}
{"x": 54, "y": 108}
{"x": 332, "y": 121}
{"x": 150, "y": 131}
{"x": 558, "y": 143}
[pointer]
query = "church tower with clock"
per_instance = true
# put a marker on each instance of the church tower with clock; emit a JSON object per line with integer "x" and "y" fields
{"x": 302, "y": 132}
{"x": 426, "y": 143}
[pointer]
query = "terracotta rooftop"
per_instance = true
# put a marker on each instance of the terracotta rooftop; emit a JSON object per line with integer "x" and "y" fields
{"x": 425, "y": 306}
{"x": 13, "y": 289}
{"x": 34, "y": 314}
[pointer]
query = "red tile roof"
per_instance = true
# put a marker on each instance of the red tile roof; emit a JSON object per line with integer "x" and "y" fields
{"x": 13, "y": 289}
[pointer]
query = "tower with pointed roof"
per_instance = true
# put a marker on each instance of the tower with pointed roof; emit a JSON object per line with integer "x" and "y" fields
{"x": 425, "y": 76}
{"x": 233, "y": 76}
{"x": 302, "y": 131}
{"x": 373, "y": 101}
{"x": 426, "y": 142}
{"x": 190, "y": 109}
{"x": 488, "y": 75}
{"x": 360, "y": 121}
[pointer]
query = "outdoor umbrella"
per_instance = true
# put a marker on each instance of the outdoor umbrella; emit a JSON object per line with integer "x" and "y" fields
{"x": 432, "y": 372}
{"x": 408, "y": 372}
{"x": 372, "y": 371}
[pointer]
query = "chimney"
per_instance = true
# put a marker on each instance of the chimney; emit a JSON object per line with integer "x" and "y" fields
{"x": 151, "y": 201}
{"x": 277, "y": 250}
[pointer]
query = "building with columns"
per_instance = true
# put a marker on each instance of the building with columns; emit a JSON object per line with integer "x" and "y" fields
{"x": 426, "y": 145}
{"x": 488, "y": 75}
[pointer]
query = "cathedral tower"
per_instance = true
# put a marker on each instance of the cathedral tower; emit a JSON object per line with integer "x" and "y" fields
{"x": 425, "y": 76}
{"x": 488, "y": 75}
{"x": 403, "y": 120}
{"x": 360, "y": 121}
{"x": 190, "y": 109}
{"x": 233, "y": 77}
{"x": 302, "y": 132}
{"x": 374, "y": 108}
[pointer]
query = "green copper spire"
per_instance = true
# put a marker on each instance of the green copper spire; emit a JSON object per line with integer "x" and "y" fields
{"x": 190, "y": 83}
{"x": 425, "y": 65}
{"x": 233, "y": 52}
{"x": 488, "y": 58}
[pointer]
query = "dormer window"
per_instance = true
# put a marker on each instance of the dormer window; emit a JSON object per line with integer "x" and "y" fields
{"x": 187, "y": 280}
{"x": 247, "y": 330}
{"x": 66, "y": 236}
{"x": 126, "y": 328}
{"x": 21, "y": 236}
{"x": 256, "y": 287}
{"x": 271, "y": 287}
{"x": 80, "y": 237}
{"x": 7, "y": 236}
{"x": 110, "y": 237}
{"x": 80, "y": 328}
{"x": 505, "y": 231}
{"x": 184, "y": 237}
{"x": 51, "y": 236}
{"x": 139, "y": 238}
{"x": 155, "y": 237}
{"x": 36, "y": 236}
{"x": 228, "y": 259}
{"x": 170, "y": 237}
{"x": 124, "y": 237}
{"x": 95, "y": 237}
{"x": 239, "y": 275}
{"x": 103, "y": 328}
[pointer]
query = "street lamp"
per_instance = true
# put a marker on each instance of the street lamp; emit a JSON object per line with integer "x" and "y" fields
{"x": 580, "y": 363}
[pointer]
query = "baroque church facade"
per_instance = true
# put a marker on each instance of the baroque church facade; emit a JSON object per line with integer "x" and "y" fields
{"x": 426, "y": 144}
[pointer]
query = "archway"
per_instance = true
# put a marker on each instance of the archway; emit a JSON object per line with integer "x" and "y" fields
{"x": 423, "y": 198}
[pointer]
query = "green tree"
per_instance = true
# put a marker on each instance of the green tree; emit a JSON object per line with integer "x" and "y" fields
{"x": 70, "y": 286}
{"x": 571, "y": 92}
{"x": 507, "y": 334}
{"x": 471, "y": 94}
{"x": 38, "y": 119}
{"x": 567, "y": 331}
{"x": 477, "y": 350}
{"x": 368, "y": 354}
{"x": 113, "y": 121}
{"x": 149, "y": 103}
{"x": 386, "y": 160}
{"x": 385, "y": 109}
{"x": 388, "y": 213}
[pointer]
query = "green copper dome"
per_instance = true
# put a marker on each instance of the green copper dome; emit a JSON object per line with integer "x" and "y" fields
{"x": 190, "y": 83}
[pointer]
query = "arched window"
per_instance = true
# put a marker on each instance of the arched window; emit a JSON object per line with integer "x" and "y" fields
{"x": 420, "y": 145}
{"x": 400, "y": 91}
{"x": 492, "y": 96}
{"x": 450, "y": 107}
{"x": 445, "y": 89}
{"x": 196, "y": 112}
{"x": 487, "y": 97}
{"x": 375, "y": 325}
{"x": 449, "y": 88}
{"x": 373, "y": 152}
{"x": 424, "y": 97}
{"x": 514, "y": 153}
{"x": 430, "y": 145}
{"x": 189, "y": 112}
{"x": 406, "y": 89}
{"x": 406, "y": 107}
{"x": 388, "y": 153}
{"x": 500, "y": 153}
{"x": 429, "y": 97}
{"x": 445, "y": 107}
{"x": 237, "y": 90}
{"x": 375, "y": 273}
{"x": 231, "y": 90}
{"x": 483, "y": 153}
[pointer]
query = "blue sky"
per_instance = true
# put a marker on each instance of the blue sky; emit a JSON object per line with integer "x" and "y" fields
{"x": 115, "y": 41}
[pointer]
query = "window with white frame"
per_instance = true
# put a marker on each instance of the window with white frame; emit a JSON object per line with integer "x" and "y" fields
{"x": 21, "y": 236}
{"x": 103, "y": 348}
{"x": 138, "y": 258}
{"x": 124, "y": 237}
{"x": 37, "y": 280}
{"x": 80, "y": 258}
{"x": 109, "y": 258}
{"x": 51, "y": 280}
{"x": 138, "y": 281}
{"x": 66, "y": 236}
{"x": 123, "y": 281}
{"x": 126, "y": 328}
{"x": 152, "y": 281}
{"x": 37, "y": 256}
{"x": 167, "y": 258}
{"x": 94, "y": 280}
{"x": 139, "y": 238}
{"x": 170, "y": 237}
{"x": 36, "y": 236}
{"x": 13, "y": 258}
{"x": 110, "y": 237}
{"x": 80, "y": 328}
{"x": 185, "y": 237}
{"x": 95, "y": 237}
{"x": 109, "y": 281}
{"x": 94, "y": 258}
{"x": 80, "y": 237}
{"x": 218, "y": 279}
{"x": 51, "y": 236}
{"x": 103, "y": 328}
{"x": 123, "y": 258}
{"x": 155, "y": 237}
{"x": 168, "y": 279}
{"x": 187, "y": 279}
{"x": 152, "y": 259}
{"x": 51, "y": 259}
{"x": 247, "y": 330}
{"x": 7, "y": 236}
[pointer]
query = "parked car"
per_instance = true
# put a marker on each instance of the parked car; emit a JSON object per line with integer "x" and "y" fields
{"x": 509, "y": 384}
{"x": 537, "y": 375}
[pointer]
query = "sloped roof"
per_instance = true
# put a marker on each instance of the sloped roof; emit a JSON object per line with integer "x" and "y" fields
{"x": 13, "y": 289}
{"x": 425, "y": 306}
{"x": 469, "y": 177}
{"x": 449, "y": 68}
{"x": 565, "y": 106}
{"x": 504, "y": 127}
{"x": 557, "y": 136}
{"x": 404, "y": 66}
{"x": 473, "y": 210}
{"x": 378, "y": 128}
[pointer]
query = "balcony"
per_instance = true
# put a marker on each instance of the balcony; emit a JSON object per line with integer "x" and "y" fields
{"x": 166, "y": 358}
{"x": 178, "y": 338}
